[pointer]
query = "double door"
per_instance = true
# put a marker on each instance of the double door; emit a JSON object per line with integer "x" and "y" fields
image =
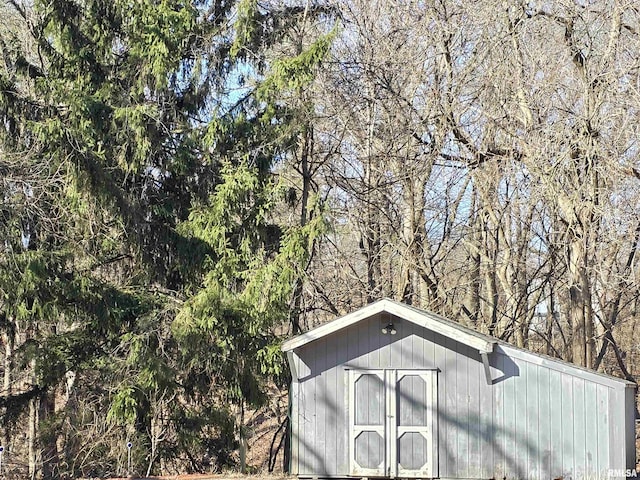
{"x": 392, "y": 421}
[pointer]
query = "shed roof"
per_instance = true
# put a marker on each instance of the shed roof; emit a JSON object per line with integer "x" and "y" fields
{"x": 483, "y": 343}
{"x": 425, "y": 319}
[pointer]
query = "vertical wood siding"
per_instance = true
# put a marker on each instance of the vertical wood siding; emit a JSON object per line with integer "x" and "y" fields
{"x": 535, "y": 422}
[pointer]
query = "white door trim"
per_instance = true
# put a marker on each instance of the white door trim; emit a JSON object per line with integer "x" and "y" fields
{"x": 391, "y": 431}
{"x": 355, "y": 430}
{"x": 428, "y": 431}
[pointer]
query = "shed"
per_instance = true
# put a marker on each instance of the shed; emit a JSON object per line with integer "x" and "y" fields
{"x": 393, "y": 391}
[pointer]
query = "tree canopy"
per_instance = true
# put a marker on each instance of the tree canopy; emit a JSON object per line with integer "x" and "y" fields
{"x": 185, "y": 183}
{"x": 145, "y": 270}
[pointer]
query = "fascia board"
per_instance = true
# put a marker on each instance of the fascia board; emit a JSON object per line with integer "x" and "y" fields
{"x": 477, "y": 342}
{"x": 424, "y": 320}
{"x": 334, "y": 326}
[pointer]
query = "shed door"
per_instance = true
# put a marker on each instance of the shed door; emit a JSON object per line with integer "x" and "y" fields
{"x": 392, "y": 423}
{"x": 368, "y": 423}
{"x": 415, "y": 414}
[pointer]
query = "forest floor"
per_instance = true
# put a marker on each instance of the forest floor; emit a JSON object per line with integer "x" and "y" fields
{"x": 204, "y": 476}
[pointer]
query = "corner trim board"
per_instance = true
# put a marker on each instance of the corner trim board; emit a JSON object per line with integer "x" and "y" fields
{"x": 487, "y": 367}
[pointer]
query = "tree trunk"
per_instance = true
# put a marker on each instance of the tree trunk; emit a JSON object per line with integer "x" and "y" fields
{"x": 8, "y": 340}
{"x": 582, "y": 345}
{"x": 295, "y": 314}
{"x": 48, "y": 454}
{"x": 243, "y": 443}
{"x": 472, "y": 299}
{"x": 34, "y": 453}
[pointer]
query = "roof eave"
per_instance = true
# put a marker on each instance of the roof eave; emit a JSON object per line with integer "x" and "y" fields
{"x": 478, "y": 342}
{"x": 334, "y": 326}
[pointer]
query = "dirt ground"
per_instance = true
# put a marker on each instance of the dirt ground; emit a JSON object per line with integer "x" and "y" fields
{"x": 202, "y": 476}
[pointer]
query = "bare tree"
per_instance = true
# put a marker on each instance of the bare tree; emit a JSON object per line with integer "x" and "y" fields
{"x": 483, "y": 151}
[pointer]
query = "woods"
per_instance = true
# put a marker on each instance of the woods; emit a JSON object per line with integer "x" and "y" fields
{"x": 186, "y": 184}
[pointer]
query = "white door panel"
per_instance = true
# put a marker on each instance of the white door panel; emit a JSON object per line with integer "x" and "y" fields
{"x": 392, "y": 420}
{"x": 367, "y": 399}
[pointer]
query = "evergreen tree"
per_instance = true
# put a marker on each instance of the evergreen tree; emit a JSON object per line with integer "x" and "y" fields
{"x": 138, "y": 147}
